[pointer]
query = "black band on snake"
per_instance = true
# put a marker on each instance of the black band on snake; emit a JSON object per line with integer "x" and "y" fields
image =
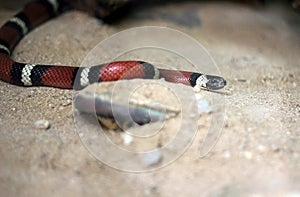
{"x": 29, "y": 74}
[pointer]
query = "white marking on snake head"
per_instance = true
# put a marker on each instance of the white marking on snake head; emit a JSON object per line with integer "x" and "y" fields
{"x": 202, "y": 81}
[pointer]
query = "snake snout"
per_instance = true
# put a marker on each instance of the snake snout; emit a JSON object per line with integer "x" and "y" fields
{"x": 215, "y": 82}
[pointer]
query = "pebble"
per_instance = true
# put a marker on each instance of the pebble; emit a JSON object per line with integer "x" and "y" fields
{"x": 240, "y": 80}
{"x": 153, "y": 157}
{"x": 204, "y": 106}
{"x": 81, "y": 134}
{"x": 262, "y": 148}
{"x": 42, "y": 124}
{"x": 97, "y": 21}
{"x": 127, "y": 139}
{"x": 227, "y": 154}
{"x": 67, "y": 102}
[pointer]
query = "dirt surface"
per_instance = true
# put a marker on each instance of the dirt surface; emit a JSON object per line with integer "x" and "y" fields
{"x": 258, "y": 149}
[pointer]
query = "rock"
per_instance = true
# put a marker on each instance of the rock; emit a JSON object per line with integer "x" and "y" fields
{"x": 127, "y": 139}
{"x": 42, "y": 124}
{"x": 153, "y": 157}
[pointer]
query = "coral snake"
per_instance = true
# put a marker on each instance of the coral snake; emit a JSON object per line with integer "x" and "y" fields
{"x": 28, "y": 74}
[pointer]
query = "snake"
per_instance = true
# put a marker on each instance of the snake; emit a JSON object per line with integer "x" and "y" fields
{"x": 38, "y": 12}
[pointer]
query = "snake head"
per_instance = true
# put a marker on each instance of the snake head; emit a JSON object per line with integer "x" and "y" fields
{"x": 211, "y": 82}
{"x": 215, "y": 82}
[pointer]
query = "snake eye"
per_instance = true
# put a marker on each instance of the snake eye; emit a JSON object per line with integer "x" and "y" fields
{"x": 215, "y": 82}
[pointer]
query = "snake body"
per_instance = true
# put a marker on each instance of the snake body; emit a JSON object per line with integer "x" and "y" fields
{"x": 27, "y": 74}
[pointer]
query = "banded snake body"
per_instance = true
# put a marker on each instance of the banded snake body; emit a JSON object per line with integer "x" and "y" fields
{"x": 27, "y": 74}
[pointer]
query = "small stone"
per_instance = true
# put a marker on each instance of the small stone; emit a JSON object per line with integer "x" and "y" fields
{"x": 42, "y": 124}
{"x": 294, "y": 84}
{"x": 241, "y": 80}
{"x": 249, "y": 129}
{"x": 227, "y": 154}
{"x": 203, "y": 106}
{"x": 262, "y": 148}
{"x": 153, "y": 157}
{"x": 127, "y": 139}
{"x": 97, "y": 21}
{"x": 81, "y": 135}
{"x": 67, "y": 102}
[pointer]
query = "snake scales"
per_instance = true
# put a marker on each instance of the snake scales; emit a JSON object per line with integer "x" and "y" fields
{"x": 28, "y": 74}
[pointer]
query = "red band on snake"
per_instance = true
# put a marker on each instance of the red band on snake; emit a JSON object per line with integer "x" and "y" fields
{"x": 26, "y": 74}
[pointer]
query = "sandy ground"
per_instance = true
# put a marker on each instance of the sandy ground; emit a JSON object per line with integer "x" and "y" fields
{"x": 257, "y": 152}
